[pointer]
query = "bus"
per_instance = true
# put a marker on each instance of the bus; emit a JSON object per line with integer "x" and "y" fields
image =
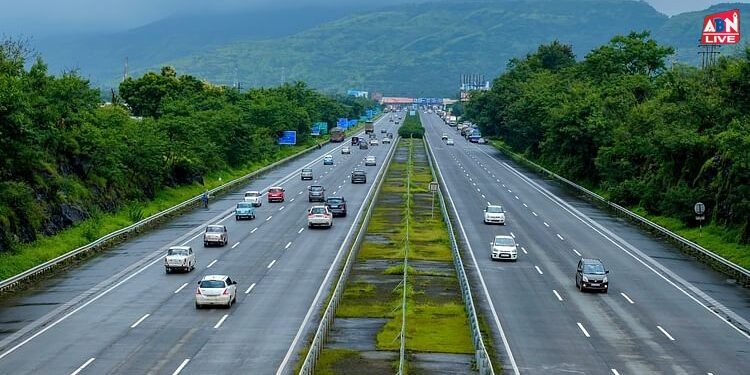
{"x": 337, "y": 134}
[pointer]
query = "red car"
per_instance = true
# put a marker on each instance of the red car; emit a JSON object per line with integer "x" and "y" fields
{"x": 275, "y": 194}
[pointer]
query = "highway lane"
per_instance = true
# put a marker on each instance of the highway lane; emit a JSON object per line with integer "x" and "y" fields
{"x": 654, "y": 319}
{"x": 143, "y": 321}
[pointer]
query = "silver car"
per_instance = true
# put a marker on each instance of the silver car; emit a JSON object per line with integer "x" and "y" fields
{"x": 504, "y": 247}
{"x": 215, "y": 234}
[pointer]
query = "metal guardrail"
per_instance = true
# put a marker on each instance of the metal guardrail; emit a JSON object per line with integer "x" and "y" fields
{"x": 326, "y": 321}
{"x": 740, "y": 273}
{"x": 482, "y": 357}
{"x": 134, "y": 228}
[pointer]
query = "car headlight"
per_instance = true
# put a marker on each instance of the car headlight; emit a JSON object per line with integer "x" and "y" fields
{"x": 585, "y": 279}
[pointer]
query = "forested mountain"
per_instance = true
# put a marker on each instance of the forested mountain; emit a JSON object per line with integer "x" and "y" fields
{"x": 399, "y": 49}
{"x": 625, "y": 122}
{"x": 66, "y": 156}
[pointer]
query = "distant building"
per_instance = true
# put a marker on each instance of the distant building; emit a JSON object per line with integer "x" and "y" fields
{"x": 357, "y": 93}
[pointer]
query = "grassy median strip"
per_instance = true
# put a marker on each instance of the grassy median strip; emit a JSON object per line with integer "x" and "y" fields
{"x": 436, "y": 320}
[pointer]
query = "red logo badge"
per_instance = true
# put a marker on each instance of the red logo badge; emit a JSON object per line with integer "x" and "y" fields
{"x": 721, "y": 28}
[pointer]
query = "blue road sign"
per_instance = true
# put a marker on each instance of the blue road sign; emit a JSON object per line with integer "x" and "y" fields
{"x": 289, "y": 137}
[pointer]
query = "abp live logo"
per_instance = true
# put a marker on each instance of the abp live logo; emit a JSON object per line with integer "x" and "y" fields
{"x": 721, "y": 28}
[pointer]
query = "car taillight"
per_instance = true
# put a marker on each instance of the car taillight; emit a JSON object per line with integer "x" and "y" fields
{"x": 226, "y": 291}
{"x": 198, "y": 291}
{"x": 310, "y": 214}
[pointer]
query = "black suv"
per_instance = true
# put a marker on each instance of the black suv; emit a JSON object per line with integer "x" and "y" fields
{"x": 359, "y": 177}
{"x": 306, "y": 174}
{"x": 316, "y": 193}
{"x": 363, "y": 145}
{"x": 591, "y": 275}
{"x": 337, "y": 205}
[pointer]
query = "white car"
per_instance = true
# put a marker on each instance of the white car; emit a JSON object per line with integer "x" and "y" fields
{"x": 319, "y": 216}
{"x": 374, "y": 142}
{"x": 253, "y": 196}
{"x": 370, "y": 160}
{"x": 504, "y": 247}
{"x": 216, "y": 290}
{"x": 386, "y": 140}
{"x": 444, "y": 137}
{"x": 179, "y": 258}
{"x": 449, "y": 142}
{"x": 346, "y": 150}
{"x": 481, "y": 141}
{"x": 494, "y": 214}
{"x": 215, "y": 234}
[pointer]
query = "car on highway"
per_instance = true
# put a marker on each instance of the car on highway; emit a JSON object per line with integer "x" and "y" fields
{"x": 370, "y": 160}
{"x": 275, "y": 194}
{"x": 481, "y": 141}
{"x": 216, "y": 290}
{"x": 179, "y": 258}
{"x": 355, "y": 141}
{"x": 386, "y": 140}
{"x": 592, "y": 275}
{"x": 316, "y": 193}
{"x": 253, "y": 197}
{"x": 383, "y": 131}
{"x": 244, "y": 210}
{"x": 306, "y": 174}
{"x": 346, "y": 150}
{"x": 504, "y": 247}
{"x": 374, "y": 142}
{"x": 319, "y": 216}
{"x": 215, "y": 234}
{"x": 449, "y": 142}
{"x": 494, "y": 214}
{"x": 397, "y": 122}
{"x": 337, "y": 206}
{"x": 363, "y": 145}
{"x": 444, "y": 137}
{"x": 328, "y": 160}
{"x": 359, "y": 176}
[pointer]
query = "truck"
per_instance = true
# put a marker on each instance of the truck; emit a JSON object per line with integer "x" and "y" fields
{"x": 337, "y": 134}
{"x": 369, "y": 127}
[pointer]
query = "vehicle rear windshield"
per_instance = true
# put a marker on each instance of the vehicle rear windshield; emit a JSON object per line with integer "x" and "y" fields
{"x": 503, "y": 241}
{"x": 316, "y": 188}
{"x": 177, "y": 252}
{"x": 495, "y": 209}
{"x": 244, "y": 205}
{"x": 252, "y": 194}
{"x": 307, "y": 170}
{"x": 334, "y": 200}
{"x": 212, "y": 284}
{"x": 274, "y": 190}
{"x": 215, "y": 229}
{"x": 318, "y": 210}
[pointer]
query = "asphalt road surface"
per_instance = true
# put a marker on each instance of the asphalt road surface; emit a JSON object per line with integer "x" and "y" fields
{"x": 664, "y": 313}
{"x": 120, "y": 313}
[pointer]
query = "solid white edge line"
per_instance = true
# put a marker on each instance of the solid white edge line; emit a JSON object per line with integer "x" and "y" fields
{"x": 180, "y": 288}
{"x": 559, "y": 298}
{"x": 212, "y": 263}
{"x": 585, "y": 332}
{"x": 83, "y": 366}
{"x": 182, "y": 366}
{"x": 271, "y": 264}
{"x": 664, "y": 331}
{"x": 137, "y": 322}
{"x": 249, "y": 289}
{"x": 495, "y": 317}
{"x": 539, "y": 270}
{"x": 627, "y": 298}
{"x": 223, "y": 318}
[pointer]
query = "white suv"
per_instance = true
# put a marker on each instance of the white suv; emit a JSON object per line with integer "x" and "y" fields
{"x": 494, "y": 213}
{"x": 179, "y": 258}
{"x": 216, "y": 290}
{"x": 370, "y": 160}
{"x": 504, "y": 247}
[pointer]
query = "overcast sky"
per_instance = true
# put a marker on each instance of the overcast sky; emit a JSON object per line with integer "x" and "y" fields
{"x": 40, "y": 17}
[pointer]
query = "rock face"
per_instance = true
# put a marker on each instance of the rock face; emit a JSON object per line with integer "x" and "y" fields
{"x": 63, "y": 217}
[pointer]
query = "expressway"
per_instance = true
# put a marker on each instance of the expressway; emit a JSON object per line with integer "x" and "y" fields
{"x": 120, "y": 313}
{"x": 664, "y": 313}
